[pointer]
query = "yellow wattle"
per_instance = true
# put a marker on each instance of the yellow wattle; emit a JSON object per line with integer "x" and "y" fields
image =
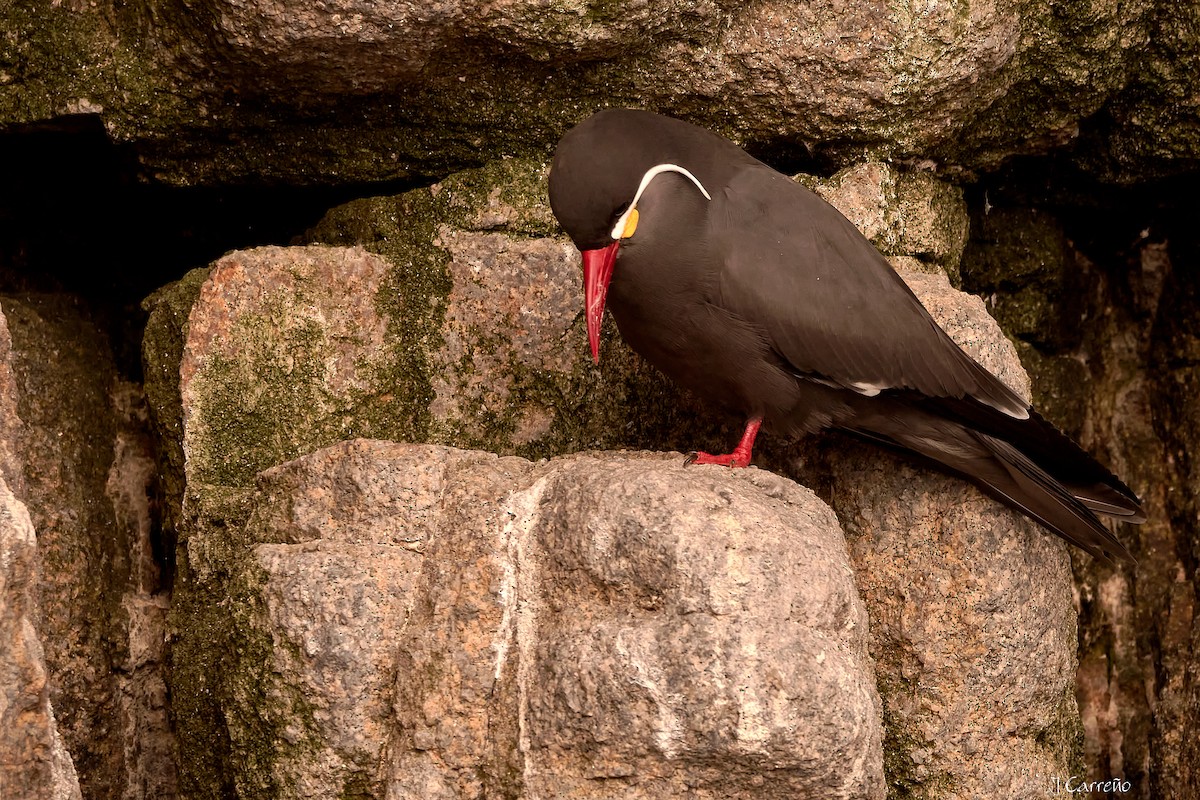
{"x": 630, "y": 224}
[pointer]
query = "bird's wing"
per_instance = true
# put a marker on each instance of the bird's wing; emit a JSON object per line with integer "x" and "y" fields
{"x": 829, "y": 303}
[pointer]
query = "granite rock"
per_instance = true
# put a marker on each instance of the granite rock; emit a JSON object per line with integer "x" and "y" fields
{"x": 34, "y": 762}
{"x": 87, "y": 479}
{"x": 446, "y": 623}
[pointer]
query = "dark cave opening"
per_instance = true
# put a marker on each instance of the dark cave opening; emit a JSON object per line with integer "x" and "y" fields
{"x": 77, "y": 216}
{"x": 1108, "y": 222}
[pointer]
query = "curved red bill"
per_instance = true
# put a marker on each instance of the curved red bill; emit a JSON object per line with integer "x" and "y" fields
{"x": 597, "y": 272}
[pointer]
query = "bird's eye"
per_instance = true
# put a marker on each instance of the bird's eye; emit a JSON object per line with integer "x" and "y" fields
{"x": 621, "y": 209}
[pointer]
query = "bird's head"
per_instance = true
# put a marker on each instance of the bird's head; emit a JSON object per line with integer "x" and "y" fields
{"x": 601, "y": 168}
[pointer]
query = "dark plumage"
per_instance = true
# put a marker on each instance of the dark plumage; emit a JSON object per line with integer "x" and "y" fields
{"x": 749, "y": 290}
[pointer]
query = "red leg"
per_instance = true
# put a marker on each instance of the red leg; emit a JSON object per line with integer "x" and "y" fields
{"x": 740, "y": 457}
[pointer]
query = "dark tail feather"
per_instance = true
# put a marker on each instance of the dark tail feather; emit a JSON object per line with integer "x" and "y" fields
{"x": 1007, "y": 474}
{"x": 1031, "y": 489}
{"x": 1051, "y": 449}
{"x": 1103, "y": 500}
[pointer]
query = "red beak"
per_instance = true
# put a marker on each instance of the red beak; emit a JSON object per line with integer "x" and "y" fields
{"x": 597, "y": 272}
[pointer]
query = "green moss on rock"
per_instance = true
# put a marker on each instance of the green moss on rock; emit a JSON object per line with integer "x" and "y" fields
{"x": 233, "y": 714}
{"x": 1061, "y": 387}
{"x": 35, "y": 86}
{"x": 624, "y": 404}
{"x": 162, "y": 351}
{"x": 62, "y": 59}
{"x": 905, "y": 779}
{"x": 1021, "y": 260}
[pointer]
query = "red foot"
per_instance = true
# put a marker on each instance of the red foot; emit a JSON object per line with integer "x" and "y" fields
{"x": 740, "y": 457}
{"x": 730, "y": 460}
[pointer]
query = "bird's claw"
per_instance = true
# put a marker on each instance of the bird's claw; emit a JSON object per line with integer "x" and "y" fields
{"x": 696, "y": 457}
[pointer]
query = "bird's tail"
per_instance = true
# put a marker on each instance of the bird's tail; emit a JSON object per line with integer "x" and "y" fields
{"x": 1064, "y": 506}
{"x": 1023, "y": 484}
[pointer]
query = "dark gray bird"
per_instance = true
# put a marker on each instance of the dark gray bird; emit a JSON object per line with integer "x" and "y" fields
{"x": 749, "y": 290}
